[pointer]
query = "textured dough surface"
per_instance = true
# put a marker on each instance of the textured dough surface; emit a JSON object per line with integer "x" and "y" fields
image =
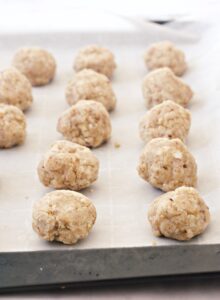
{"x": 63, "y": 216}
{"x": 165, "y": 54}
{"x": 69, "y": 166}
{"x": 15, "y": 89}
{"x": 161, "y": 85}
{"x": 167, "y": 164}
{"x": 167, "y": 119}
{"x": 86, "y": 123}
{"x": 88, "y": 84}
{"x": 180, "y": 214}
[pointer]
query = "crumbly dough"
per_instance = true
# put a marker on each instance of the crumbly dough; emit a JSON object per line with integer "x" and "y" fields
{"x": 167, "y": 119}
{"x": 63, "y": 216}
{"x": 86, "y": 123}
{"x": 98, "y": 58}
{"x": 180, "y": 214}
{"x": 165, "y": 54}
{"x": 37, "y": 64}
{"x": 167, "y": 164}
{"x": 161, "y": 85}
{"x": 88, "y": 84}
{"x": 12, "y": 126}
{"x": 15, "y": 89}
{"x": 69, "y": 166}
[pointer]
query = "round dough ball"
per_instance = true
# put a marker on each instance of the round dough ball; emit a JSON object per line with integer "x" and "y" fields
{"x": 63, "y": 216}
{"x": 15, "y": 89}
{"x": 12, "y": 126}
{"x": 69, "y": 166}
{"x": 97, "y": 58}
{"x": 161, "y": 85}
{"x": 167, "y": 119}
{"x": 37, "y": 64}
{"x": 180, "y": 214}
{"x": 86, "y": 123}
{"x": 167, "y": 164}
{"x": 88, "y": 84}
{"x": 165, "y": 54}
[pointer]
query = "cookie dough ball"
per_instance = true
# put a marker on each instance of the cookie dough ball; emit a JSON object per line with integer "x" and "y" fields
{"x": 167, "y": 119}
{"x": 97, "y": 58}
{"x": 180, "y": 214}
{"x": 37, "y": 64}
{"x": 63, "y": 216}
{"x": 88, "y": 84}
{"x": 69, "y": 166}
{"x": 161, "y": 85}
{"x": 86, "y": 123}
{"x": 12, "y": 126}
{"x": 167, "y": 164}
{"x": 165, "y": 54}
{"x": 15, "y": 89}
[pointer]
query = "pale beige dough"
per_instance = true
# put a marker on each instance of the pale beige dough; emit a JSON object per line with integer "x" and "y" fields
{"x": 37, "y": 64}
{"x": 167, "y": 119}
{"x": 165, "y": 54}
{"x": 12, "y": 126}
{"x": 63, "y": 216}
{"x": 88, "y": 84}
{"x": 161, "y": 85}
{"x": 86, "y": 123}
{"x": 15, "y": 89}
{"x": 167, "y": 164}
{"x": 68, "y": 166}
{"x": 180, "y": 214}
{"x": 97, "y": 58}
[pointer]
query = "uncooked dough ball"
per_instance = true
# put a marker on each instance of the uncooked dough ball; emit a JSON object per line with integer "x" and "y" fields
{"x": 88, "y": 84}
{"x": 98, "y": 58}
{"x": 167, "y": 119}
{"x": 15, "y": 89}
{"x": 167, "y": 164}
{"x": 63, "y": 216}
{"x": 180, "y": 214}
{"x": 161, "y": 85}
{"x": 86, "y": 123}
{"x": 69, "y": 166}
{"x": 12, "y": 126}
{"x": 165, "y": 54}
{"x": 37, "y": 64}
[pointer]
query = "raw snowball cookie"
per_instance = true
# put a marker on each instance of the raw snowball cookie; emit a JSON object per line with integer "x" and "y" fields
{"x": 180, "y": 214}
{"x": 97, "y": 58}
{"x": 63, "y": 216}
{"x": 167, "y": 119}
{"x": 12, "y": 126}
{"x": 88, "y": 84}
{"x": 86, "y": 123}
{"x": 161, "y": 85}
{"x": 15, "y": 89}
{"x": 69, "y": 166}
{"x": 37, "y": 64}
{"x": 167, "y": 164}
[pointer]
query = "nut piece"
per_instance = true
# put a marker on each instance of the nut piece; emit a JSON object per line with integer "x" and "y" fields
{"x": 165, "y": 54}
{"x": 88, "y": 84}
{"x": 180, "y": 214}
{"x": 69, "y": 166}
{"x": 86, "y": 123}
{"x": 63, "y": 216}
{"x": 161, "y": 85}
{"x": 37, "y": 64}
{"x": 15, "y": 89}
{"x": 167, "y": 119}
{"x": 167, "y": 164}
{"x": 12, "y": 126}
{"x": 94, "y": 57}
